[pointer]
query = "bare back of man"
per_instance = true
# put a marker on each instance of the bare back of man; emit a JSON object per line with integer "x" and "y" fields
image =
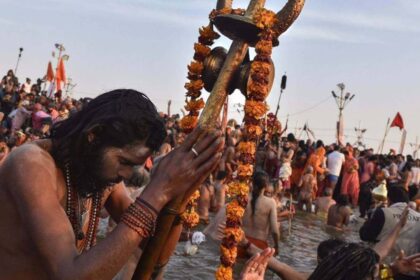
{"x": 308, "y": 187}
{"x": 323, "y": 204}
{"x": 263, "y": 221}
{"x": 338, "y": 216}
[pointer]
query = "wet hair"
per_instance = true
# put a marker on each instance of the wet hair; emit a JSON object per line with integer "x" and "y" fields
{"x": 221, "y": 175}
{"x": 328, "y": 246}
{"x": 351, "y": 261}
{"x": 259, "y": 182}
{"x": 397, "y": 194}
{"x": 328, "y": 192}
{"x": 319, "y": 144}
{"x": 116, "y": 119}
{"x": 342, "y": 200}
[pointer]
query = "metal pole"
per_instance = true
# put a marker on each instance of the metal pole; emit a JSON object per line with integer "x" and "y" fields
{"x": 278, "y": 102}
{"x": 18, "y": 60}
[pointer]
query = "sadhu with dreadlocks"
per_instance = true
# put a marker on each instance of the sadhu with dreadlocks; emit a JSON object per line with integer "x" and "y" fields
{"x": 51, "y": 191}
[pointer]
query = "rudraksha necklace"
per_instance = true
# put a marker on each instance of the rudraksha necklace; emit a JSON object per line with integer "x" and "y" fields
{"x": 73, "y": 210}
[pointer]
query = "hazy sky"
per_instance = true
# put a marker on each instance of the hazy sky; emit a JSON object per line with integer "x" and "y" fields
{"x": 372, "y": 46}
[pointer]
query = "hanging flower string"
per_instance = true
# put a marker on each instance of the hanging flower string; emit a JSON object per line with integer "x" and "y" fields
{"x": 195, "y": 69}
{"x": 255, "y": 109}
{"x": 194, "y": 103}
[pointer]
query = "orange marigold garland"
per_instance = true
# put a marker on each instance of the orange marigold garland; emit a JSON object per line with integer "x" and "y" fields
{"x": 194, "y": 103}
{"x": 190, "y": 217}
{"x": 195, "y": 69}
{"x": 255, "y": 109}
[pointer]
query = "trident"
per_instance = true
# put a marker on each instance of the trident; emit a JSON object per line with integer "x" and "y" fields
{"x": 244, "y": 33}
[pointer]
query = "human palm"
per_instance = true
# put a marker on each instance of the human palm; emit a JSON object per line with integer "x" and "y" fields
{"x": 406, "y": 265}
{"x": 256, "y": 266}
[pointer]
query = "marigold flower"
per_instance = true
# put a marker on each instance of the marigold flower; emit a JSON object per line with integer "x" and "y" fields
{"x": 228, "y": 255}
{"x": 264, "y": 47}
{"x": 247, "y": 147}
{"x": 190, "y": 218}
{"x": 264, "y": 18}
{"x": 245, "y": 170}
{"x": 194, "y": 86}
{"x": 195, "y": 195}
{"x": 255, "y": 109}
{"x": 254, "y": 130}
{"x": 238, "y": 188}
{"x": 224, "y": 273}
{"x": 237, "y": 234}
{"x": 234, "y": 211}
{"x": 188, "y": 123}
{"x": 194, "y": 105}
{"x": 207, "y": 35}
{"x": 195, "y": 68}
{"x": 201, "y": 51}
{"x": 259, "y": 90}
{"x": 260, "y": 67}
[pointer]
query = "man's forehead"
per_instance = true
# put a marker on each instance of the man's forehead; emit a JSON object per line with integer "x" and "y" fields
{"x": 137, "y": 151}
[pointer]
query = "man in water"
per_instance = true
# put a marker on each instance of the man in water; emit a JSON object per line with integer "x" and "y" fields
{"x": 260, "y": 218}
{"x": 323, "y": 203}
{"x": 339, "y": 214}
{"x": 52, "y": 190}
{"x": 307, "y": 189}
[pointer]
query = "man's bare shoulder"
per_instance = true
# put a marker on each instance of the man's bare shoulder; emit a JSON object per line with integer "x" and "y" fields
{"x": 268, "y": 201}
{"x": 30, "y": 154}
{"x": 28, "y": 163}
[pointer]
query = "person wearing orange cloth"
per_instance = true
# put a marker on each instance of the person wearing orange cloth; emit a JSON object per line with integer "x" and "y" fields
{"x": 316, "y": 161}
{"x": 350, "y": 185}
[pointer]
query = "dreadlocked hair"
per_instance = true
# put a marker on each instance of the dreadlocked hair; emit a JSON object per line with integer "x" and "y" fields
{"x": 351, "y": 261}
{"x": 117, "y": 118}
{"x": 259, "y": 182}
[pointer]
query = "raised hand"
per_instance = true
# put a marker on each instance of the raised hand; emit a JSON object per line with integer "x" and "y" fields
{"x": 406, "y": 265}
{"x": 256, "y": 266}
{"x": 187, "y": 166}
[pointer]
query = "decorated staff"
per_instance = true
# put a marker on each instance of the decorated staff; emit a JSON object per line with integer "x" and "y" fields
{"x": 222, "y": 73}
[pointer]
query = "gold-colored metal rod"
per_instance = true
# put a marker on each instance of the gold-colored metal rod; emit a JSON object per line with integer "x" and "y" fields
{"x": 288, "y": 14}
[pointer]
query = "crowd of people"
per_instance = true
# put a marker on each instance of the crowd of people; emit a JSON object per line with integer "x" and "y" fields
{"x": 332, "y": 181}
{"x": 28, "y": 111}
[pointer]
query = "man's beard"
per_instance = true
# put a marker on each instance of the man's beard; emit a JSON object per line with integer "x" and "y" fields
{"x": 87, "y": 173}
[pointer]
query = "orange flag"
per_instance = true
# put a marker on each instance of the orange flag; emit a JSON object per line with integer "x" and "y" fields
{"x": 61, "y": 74}
{"x": 50, "y": 72}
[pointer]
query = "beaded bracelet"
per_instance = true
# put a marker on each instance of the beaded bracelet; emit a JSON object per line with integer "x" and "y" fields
{"x": 141, "y": 217}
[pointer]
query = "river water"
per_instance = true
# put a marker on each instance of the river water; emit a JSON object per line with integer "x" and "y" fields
{"x": 297, "y": 250}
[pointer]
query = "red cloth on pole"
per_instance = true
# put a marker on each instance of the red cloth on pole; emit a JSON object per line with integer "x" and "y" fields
{"x": 398, "y": 121}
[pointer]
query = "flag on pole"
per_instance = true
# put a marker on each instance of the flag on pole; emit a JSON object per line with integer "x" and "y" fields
{"x": 398, "y": 122}
{"x": 50, "y": 72}
{"x": 61, "y": 74}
